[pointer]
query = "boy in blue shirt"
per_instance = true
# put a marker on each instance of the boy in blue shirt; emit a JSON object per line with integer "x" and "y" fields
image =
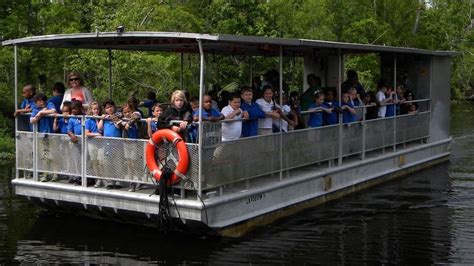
{"x": 74, "y": 128}
{"x": 112, "y": 128}
{"x": 250, "y": 127}
{"x": 45, "y": 125}
{"x": 330, "y": 103}
{"x": 208, "y": 114}
{"x": 349, "y": 114}
{"x": 26, "y": 106}
{"x": 58, "y": 95}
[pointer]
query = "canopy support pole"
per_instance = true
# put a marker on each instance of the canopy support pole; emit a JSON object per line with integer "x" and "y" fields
{"x": 339, "y": 84}
{"x": 394, "y": 105}
{"x": 15, "y": 55}
{"x": 200, "y": 135}
{"x": 181, "y": 77}
{"x": 110, "y": 73}
{"x": 281, "y": 106}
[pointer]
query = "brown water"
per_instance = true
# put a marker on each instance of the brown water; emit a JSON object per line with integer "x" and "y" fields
{"x": 426, "y": 217}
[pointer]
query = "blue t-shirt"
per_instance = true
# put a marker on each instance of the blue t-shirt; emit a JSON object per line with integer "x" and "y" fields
{"x": 207, "y": 113}
{"x": 74, "y": 126}
{"x": 24, "y": 120}
{"x": 91, "y": 125}
{"x": 132, "y": 132}
{"x": 333, "y": 117}
{"x": 315, "y": 118}
{"x": 110, "y": 130}
{"x": 45, "y": 124}
{"x": 250, "y": 127}
{"x": 390, "y": 110}
{"x": 347, "y": 116}
{"x": 62, "y": 125}
{"x": 57, "y": 100}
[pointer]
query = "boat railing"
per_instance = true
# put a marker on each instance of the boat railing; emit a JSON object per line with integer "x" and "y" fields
{"x": 223, "y": 163}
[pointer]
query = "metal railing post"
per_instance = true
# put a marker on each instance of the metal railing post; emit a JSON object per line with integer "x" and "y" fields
{"x": 35, "y": 152}
{"x": 15, "y": 55}
{"x": 201, "y": 133}
{"x": 364, "y": 128}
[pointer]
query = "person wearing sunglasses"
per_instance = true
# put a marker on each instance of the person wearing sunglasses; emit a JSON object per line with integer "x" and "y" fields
{"x": 76, "y": 90}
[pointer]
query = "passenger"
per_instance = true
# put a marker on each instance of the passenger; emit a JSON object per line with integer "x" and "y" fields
{"x": 285, "y": 122}
{"x": 391, "y": 102}
{"x": 331, "y": 118}
{"x": 296, "y": 110}
{"x": 223, "y": 99}
{"x": 405, "y": 108}
{"x": 412, "y": 109}
{"x": 214, "y": 97}
{"x": 77, "y": 91}
{"x": 256, "y": 88}
{"x": 74, "y": 129}
{"x": 133, "y": 101}
{"x": 352, "y": 81}
{"x": 317, "y": 108}
{"x": 349, "y": 114}
{"x": 371, "y": 110}
{"x": 400, "y": 98}
{"x": 271, "y": 110}
{"x": 307, "y": 98}
{"x": 42, "y": 108}
{"x": 39, "y": 116}
{"x": 60, "y": 126}
{"x": 152, "y": 121}
{"x": 60, "y": 123}
{"x": 149, "y": 102}
{"x": 130, "y": 130}
{"x": 93, "y": 128}
{"x": 26, "y": 106}
{"x": 112, "y": 128}
{"x": 233, "y": 130}
{"x": 250, "y": 127}
{"x": 381, "y": 99}
{"x": 208, "y": 113}
{"x": 58, "y": 95}
{"x": 195, "y": 103}
{"x": 178, "y": 112}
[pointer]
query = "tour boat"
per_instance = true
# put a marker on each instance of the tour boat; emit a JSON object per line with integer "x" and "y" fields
{"x": 255, "y": 180}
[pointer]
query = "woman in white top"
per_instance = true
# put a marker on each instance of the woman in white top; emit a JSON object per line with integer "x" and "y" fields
{"x": 271, "y": 110}
{"x": 77, "y": 91}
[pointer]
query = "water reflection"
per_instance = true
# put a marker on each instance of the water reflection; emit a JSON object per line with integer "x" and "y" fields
{"x": 423, "y": 218}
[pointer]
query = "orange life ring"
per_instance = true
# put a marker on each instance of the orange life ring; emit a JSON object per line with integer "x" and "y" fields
{"x": 183, "y": 161}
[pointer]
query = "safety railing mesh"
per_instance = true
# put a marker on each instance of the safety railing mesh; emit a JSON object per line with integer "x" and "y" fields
{"x": 303, "y": 147}
{"x": 244, "y": 158}
{"x": 352, "y": 138}
{"x": 25, "y": 150}
{"x": 57, "y": 153}
{"x": 379, "y": 133}
{"x": 412, "y": 127}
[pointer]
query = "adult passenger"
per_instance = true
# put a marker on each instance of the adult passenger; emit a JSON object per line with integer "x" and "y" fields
{"x": 307, "y": 98}
{"x": 77, "y": 91}
{"x": 353, "y": 81}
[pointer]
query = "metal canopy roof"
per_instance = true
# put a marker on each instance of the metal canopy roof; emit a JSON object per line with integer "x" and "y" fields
{"x": 221, "y": 44}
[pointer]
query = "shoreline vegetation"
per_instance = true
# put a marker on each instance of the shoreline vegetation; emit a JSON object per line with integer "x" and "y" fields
{"x": 433, "y": 25}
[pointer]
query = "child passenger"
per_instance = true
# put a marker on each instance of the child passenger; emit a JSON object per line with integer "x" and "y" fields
{"x": 271, "y": 110}
{"x": 74, "y": 129}
{"x": 331, "y": 118}
{"x": 232, "y": 130}
{"x": 349, "y": 114}
{"x": 45, "y": 125}
{"x": 111, "y": 129}
{"x": 26, "y": 106}
{"x": 130, "y": 130}
{"x": 250, "y": 127}
{"x": 152, "y": 121}
{"x": 177, "y": 111}
{"x": 93, "y": 129}
{"x": 317, "y": 109}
